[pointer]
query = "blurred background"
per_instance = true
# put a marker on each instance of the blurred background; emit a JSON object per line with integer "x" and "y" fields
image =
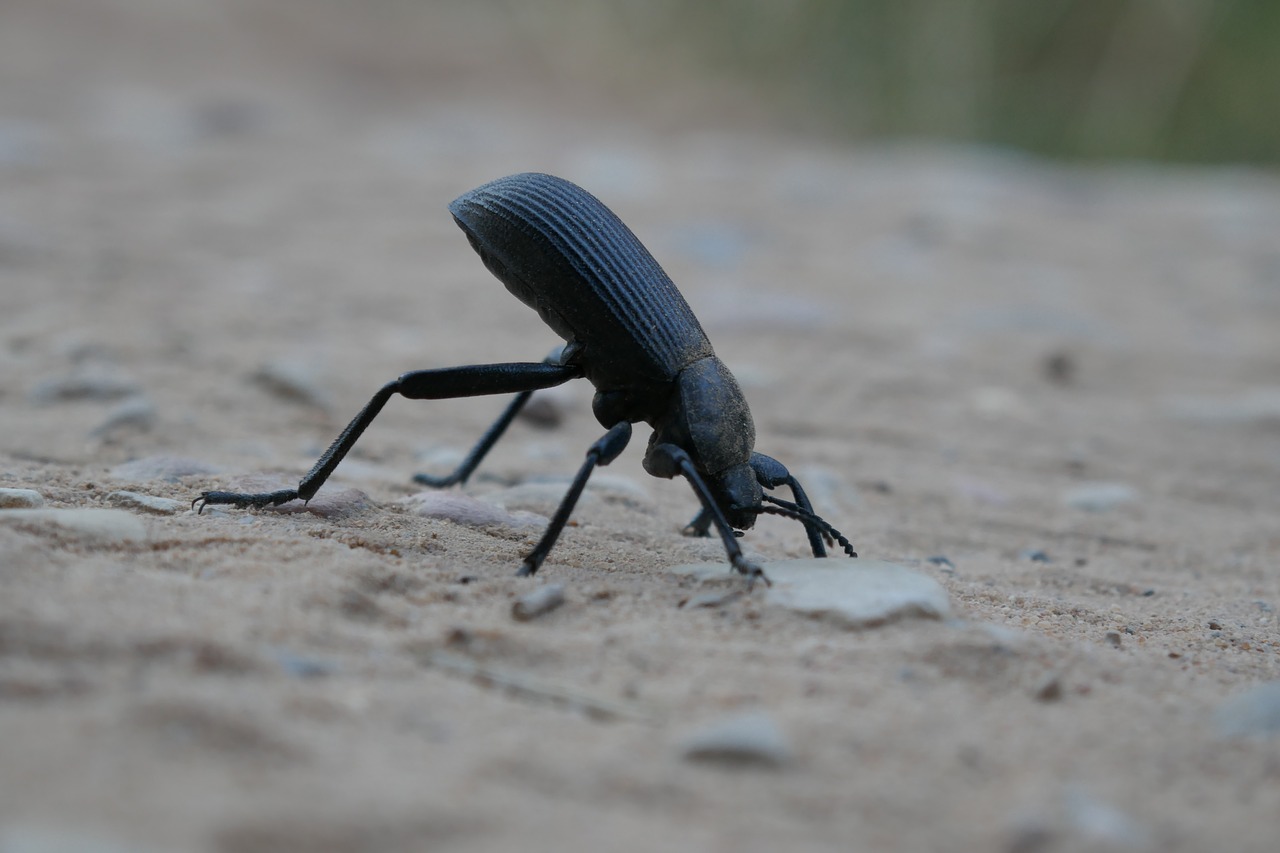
{"x": 1173, "y": 80}
{"x": 1187, "y": 80}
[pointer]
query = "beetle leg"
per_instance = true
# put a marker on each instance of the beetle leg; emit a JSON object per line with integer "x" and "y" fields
{"x": 473, "y": 459}
{"x": 604, "y": 451}
{"x": 772, "y": 474}
{"x": 667, "y": 460}
{"x": 700, "y": 525}
{"x": 444, "y": 383}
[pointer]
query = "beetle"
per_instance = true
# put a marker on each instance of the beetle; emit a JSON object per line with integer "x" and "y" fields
{"x": 631, "y": 334}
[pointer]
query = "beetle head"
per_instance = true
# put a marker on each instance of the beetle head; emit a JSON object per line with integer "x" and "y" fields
{"x": 737, "y": 491}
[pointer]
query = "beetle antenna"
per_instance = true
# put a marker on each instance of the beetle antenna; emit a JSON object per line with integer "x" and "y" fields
{"x": 787, "y": 509}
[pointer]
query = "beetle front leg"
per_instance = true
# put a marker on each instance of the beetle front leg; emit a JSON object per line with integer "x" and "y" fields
{"x": 440, "y": 384}
{"x": 772, "y": 474}
{"x": 668, "y": 460}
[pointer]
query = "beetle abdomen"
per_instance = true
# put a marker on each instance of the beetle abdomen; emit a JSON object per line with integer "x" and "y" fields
{"x": 558, "y": 249}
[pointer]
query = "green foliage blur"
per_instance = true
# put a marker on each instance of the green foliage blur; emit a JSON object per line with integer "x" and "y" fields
{"x": 1183, "y": 80}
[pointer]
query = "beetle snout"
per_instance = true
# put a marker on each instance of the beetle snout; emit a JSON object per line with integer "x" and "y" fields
{"x": 739, "y": 496}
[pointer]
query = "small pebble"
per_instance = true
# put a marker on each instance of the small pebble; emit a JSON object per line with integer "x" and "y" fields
{"x": 91, "y": 526}
{"x": 1254, "y": 713}
{"x": 20, "y": 499}
{"x": 1035, "y": 555}
{"x": 1257, "y": 407}
{"x": 852, "y": 593}
{"x": 750, "y": 738}
{"x": 147, "y": 503}
{"x": 300, "y": 666}
{"x": 95, "y": 387}
{"x": 1100, "y": 497}
{"x": 538, "y": 497}
{"x": 541, "y": 601}
{"x": 464, "y": 509}
{"x": 548, "y": 407}
{"x": 136, "y": 413}
{"x": 1049, "y": 689}
{"x": 1102, "y": 823}
{"x": 711, "y": 599}
{"x": 297, "y": 382}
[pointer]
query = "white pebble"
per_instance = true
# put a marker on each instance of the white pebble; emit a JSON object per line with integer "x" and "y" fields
{"x": 855, "y": 593}
{"x": 1254, "y": 713}
{"x": 464, "y": 509}
{"x": 20, "y": 499}
{"x": 750, "y": 738}
{"x": 1099, "y": 497}
{"x": 542, "y": 600}
{"x": 147, "y": 503}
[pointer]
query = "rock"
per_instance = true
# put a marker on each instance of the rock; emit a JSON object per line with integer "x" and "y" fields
{"x": 87, "y": 386}
{"x": 540, "y": 601}
{"x": 20, "y": 499}
{"x": 1256, "y": 407}
{"x": 853, "y": 593}
{"x": 88, "y": 526}
{"x": 295, "y": 381}
{"x": 146, "y": 503}
{"x": 168, "y": 469}
{"x": 1099, "y": 497}
{"x": 1098, "y": 822}
{"x": 464, "y": 509}
{"x": 542, "y": 498}
{"x": 1254, "y": 713}
{"x": 136, "y": 413}
{"x": 750, "y": 738}
{"x": 547, "y": 407}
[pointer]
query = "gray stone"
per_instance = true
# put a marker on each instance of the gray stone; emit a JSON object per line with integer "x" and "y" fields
{"x": 87, "y": 386}
{"x": 538, "y": 497}
{"x": 854, "y": 593}
{"x": 464, "y": 509}
{"x": 89, "y": 526}
{"x": 146, "y": 503}
{"x": 20, "y": 499}
{"x": 168, "y": 469}
{"x": 135, "y": 413}
{"x": 750, "y": 738}
{"x": 1099, "y": 497}
{"x": 1257, "y": 406}
{"x": 295, "y": 381}
{"x": 1254, "y": 713}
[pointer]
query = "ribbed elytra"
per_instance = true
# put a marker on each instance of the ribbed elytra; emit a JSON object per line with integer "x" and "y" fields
{"x": 562, "y": 252}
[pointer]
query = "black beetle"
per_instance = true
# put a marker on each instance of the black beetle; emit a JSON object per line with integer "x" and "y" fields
{"x": 560, "y": 251}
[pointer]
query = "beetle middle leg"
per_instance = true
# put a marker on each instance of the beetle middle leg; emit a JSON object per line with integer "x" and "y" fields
{"x": 604, "y": 451}
{"x": 438, "y": 384}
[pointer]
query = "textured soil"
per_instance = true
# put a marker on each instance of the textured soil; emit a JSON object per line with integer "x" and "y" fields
{"x": 223, "y": 226}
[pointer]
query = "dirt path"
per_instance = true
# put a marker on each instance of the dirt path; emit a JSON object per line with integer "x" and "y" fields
{"x": 222, "y": 230}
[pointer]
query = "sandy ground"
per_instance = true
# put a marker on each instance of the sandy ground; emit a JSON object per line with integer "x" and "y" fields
{"x": 944, "y": 343}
